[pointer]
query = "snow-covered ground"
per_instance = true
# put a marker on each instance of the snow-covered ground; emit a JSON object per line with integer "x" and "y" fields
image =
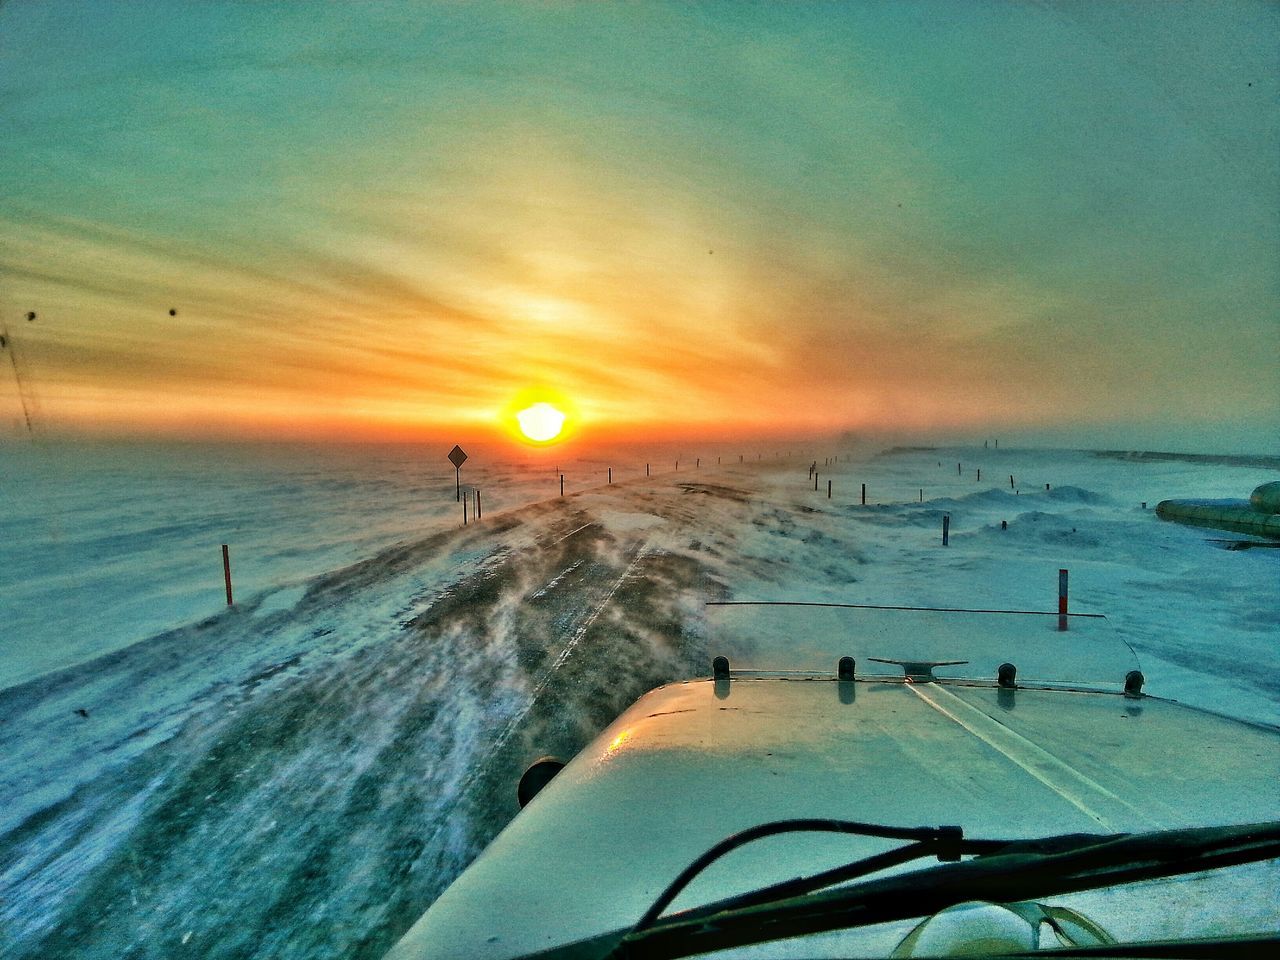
{"x": 301, "y": 774}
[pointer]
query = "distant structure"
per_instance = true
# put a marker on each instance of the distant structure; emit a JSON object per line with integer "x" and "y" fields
{"x": 1259, "y": 515}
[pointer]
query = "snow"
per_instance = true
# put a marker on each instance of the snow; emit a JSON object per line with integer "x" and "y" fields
{"x": 299, "y": 775}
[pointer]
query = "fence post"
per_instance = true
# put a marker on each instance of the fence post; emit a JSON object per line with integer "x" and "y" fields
{"x": 864, "y": 494}
{"x": 562, "y": 484}
{"x": 479, "y": 512}
{"x": 611, "y": 474}
{"x": 226, "y": 571}
{"x": 828, "y": 489}
{"x": 946, "y": 529}
{"x": 464, "y": 509}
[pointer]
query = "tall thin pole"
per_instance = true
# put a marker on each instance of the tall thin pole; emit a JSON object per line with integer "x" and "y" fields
{"x": 7, "y": 341}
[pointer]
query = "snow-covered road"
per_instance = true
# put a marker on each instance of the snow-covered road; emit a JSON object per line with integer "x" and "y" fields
{"x": 301, "y": 775}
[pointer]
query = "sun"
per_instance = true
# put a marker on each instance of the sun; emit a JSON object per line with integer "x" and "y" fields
{"x": 541, "y": 422}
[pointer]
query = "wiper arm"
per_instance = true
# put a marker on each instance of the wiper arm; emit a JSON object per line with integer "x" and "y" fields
{"x": 944, "y": 846}
{"x": 947, "y": 843}
{"x": 1021, "y": 871}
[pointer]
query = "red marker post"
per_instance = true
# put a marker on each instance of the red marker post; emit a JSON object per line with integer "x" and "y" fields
{"x": 1062, "y": 599}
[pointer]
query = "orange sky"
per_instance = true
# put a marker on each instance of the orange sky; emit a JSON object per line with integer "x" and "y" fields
{"x": 912, "y": 218}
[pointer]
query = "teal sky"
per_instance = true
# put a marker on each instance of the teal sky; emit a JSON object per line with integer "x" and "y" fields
{"x": 1055, "y": 221}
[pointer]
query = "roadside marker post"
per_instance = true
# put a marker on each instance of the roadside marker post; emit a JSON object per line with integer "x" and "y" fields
{"x": 226, "y": 571}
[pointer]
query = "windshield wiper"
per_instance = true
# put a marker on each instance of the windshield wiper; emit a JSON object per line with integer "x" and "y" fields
{"x": 1020, "y": 870}
{"x": 946, "y": 843}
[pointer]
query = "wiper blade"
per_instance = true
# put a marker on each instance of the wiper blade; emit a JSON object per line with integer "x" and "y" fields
{"x": 1020, "y": 871}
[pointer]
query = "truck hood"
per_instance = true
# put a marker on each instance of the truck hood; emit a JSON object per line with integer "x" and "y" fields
{"x": 691, "y": 763}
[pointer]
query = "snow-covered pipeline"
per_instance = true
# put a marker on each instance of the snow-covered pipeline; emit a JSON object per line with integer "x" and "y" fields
{"x": 1259, "y": 515}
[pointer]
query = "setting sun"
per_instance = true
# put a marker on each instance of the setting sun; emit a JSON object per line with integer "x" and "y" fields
{"x": 541, "y": 422}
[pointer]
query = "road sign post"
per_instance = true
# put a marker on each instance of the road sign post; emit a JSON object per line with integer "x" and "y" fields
{"x": 457, "y": 456}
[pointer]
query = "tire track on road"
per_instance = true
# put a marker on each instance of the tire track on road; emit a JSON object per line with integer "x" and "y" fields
{"x": 514, "y": 722}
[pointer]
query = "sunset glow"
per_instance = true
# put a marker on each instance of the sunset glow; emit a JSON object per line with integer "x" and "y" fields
{"x": 729, "y": 218}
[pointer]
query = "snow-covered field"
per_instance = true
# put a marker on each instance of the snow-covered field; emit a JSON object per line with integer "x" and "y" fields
{"x": 301, "y": 774}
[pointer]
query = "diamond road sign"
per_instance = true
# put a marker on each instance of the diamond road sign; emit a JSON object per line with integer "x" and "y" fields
{"x": 457, "y": 456}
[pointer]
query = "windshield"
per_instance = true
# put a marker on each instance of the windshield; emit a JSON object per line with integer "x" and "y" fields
{"x": 812, "y": 637}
